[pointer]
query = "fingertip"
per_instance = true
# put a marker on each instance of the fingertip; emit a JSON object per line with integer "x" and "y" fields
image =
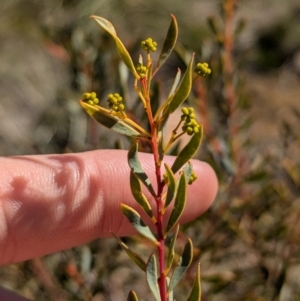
{"x": 208, "y": 180}
{"x": 202, "y": 192}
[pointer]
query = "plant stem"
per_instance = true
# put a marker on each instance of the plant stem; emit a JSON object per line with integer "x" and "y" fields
{"x": 160, "y": 213}
{"x": 158, "y": 199}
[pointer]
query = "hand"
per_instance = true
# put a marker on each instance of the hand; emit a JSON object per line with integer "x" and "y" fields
{"x": 53, "y": 202}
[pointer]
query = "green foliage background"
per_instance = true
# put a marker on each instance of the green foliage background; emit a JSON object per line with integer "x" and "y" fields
{"x": 248, "y": 242}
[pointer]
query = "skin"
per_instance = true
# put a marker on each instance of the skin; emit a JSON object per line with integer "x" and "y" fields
{"x": 50, "y": 203}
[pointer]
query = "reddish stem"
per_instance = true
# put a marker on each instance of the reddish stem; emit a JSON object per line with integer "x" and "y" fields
{"x": 159, "y": 224}
{"x": 158, "y": 199}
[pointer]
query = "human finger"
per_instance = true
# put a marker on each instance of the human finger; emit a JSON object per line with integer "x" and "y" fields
{"x": 54, "y": 202}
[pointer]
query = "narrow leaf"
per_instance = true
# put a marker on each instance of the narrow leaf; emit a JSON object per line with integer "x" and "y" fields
{"x": 136, "y": 189}
{"x": 169, "y": 42}
{"x": 175, "y": 83}
{"x": 179, "y": 203}
{"x": 170, "y": 96}
{"x": 136, "y": 167}
{"x": 188, "y": 169}
{"x": 155, "y": 95}
{"x": 188, "y": 151}
{"x": 137, "y": 222}
{"x": 195, "y": 294}
{"x": 136, "y": 258}
{"x": 182, "y": 92}
{"x": 171, "y": 185}
{"x": 132, "y": 296}
{"x": 114, "y": 123}
{"x": 161, "y": 142}
{"x": 125, "y": 56}
{"x": 151, "y": 274}
{"x": 124, "y": 75}
{"x": 184, "y": 263}
{"x": 105, "y": 24}
{"x": 171, "y": 253}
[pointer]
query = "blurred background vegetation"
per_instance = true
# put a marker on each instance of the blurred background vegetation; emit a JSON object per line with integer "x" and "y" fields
{"x": 248, "y": 242}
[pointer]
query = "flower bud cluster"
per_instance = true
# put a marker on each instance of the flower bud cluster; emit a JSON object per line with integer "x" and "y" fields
{"x": 115, "y": 102}
{"x": 193, "y": 178}
{"x": 141, "y": 70}
{"x": 202, "y": 69}
{"x": 190, "y": 126}
{"x": 90, "y": 98}
{"x": 149, "y": 45}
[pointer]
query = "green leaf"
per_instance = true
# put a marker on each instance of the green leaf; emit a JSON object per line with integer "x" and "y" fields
{"x": 195, "y": 294}
{"x": 137, "y": 222}
{"x": 132, "y": 296}
{"x": 155, "y": 95}
{"x": 175, "y": 83}
{"x": 169, "y": 42}
{"x": 171, "y": 185}
{"x": 149, "y": 79}
{"x": 114, "y": 123}
{"x": 123, "y": 75}
{"x": 125, "y": 56}
{"x": 179, "y": 204}
{"x": 136, "y": 190}
{"x": 184, "y": 263}
{"x": 161, "y": 142}
{"x": 188, "y": 169}
{"x": 151, "y": 275}
{"x": 136, "y": 258}
{"x": 136, "y": 167}
{"x": 182, "y": 92}
{"x": 188, "y": 151}
{"x": 171, "y": 253}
